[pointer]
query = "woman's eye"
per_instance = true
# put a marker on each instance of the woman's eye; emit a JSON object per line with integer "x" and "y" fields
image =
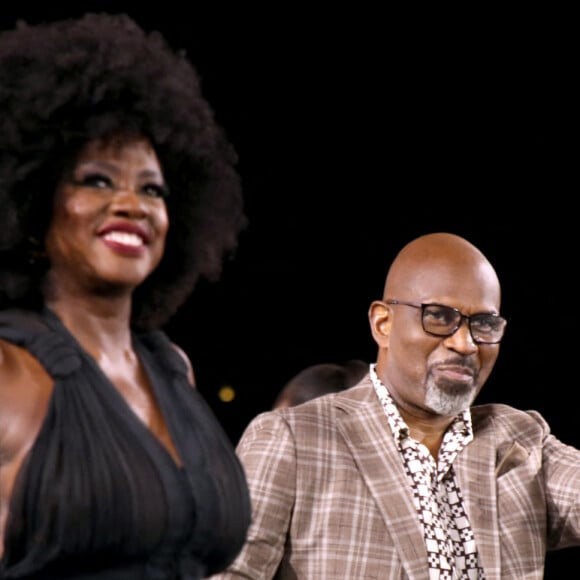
{"x": 101, "y": 181}
{"x": 96, "y": 180}
{"x": 155, "y": 190}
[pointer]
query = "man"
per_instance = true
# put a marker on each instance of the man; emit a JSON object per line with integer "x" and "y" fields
{"x": 399, "y": 476}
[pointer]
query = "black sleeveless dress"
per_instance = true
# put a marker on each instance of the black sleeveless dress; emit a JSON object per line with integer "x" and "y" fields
{"x": 98, "y": 496}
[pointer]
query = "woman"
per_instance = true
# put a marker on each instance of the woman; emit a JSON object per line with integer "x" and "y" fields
{"x": 118, "y": 192}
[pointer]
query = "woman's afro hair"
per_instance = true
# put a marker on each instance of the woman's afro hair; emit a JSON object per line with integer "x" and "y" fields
{"x": 65, "y": 83}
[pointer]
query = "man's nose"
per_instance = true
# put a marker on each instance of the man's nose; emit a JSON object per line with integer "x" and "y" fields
{"x": 462, "y": 340}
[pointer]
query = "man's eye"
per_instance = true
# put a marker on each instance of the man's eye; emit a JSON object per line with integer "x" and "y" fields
{"x": 486, "y": 323}
{"x": 440, "y": 315}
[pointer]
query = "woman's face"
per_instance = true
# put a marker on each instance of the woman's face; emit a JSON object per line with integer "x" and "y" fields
{"x": 109, "y": 220}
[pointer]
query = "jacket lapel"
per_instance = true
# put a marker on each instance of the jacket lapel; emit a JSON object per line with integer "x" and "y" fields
{"x": 474, "y": 468}
{"x": 366, "y": 432}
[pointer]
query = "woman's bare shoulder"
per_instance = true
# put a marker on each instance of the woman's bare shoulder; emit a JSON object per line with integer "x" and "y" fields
{"x": 25, "y": 390}
{"x": 19, "y": 369}
{"x": 9, "y": 361}
{"x": 190, "y": 373}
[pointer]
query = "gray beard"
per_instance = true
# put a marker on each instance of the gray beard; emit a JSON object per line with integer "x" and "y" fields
{"x": 447, "y": 398}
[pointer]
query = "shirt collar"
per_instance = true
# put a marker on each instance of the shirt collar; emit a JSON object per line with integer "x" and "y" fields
{"x": 460, "y": 427}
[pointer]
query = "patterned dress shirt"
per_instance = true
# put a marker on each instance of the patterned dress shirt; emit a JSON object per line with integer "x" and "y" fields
{"x": 451, "y": 549}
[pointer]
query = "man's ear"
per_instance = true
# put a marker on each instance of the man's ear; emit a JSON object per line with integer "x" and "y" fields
{"x": 380, "y": 322}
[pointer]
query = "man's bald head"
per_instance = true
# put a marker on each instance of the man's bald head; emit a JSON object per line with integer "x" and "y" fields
{"x": 431, "y": 266}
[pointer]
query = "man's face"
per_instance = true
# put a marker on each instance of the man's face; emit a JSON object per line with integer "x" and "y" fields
{"x": 435, "y": 374}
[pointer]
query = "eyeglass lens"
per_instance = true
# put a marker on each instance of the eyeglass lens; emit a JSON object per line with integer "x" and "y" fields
{"x": 444, "y": 321}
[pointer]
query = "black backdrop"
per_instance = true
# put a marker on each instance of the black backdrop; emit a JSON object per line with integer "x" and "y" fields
{"x": 358, "y": 130}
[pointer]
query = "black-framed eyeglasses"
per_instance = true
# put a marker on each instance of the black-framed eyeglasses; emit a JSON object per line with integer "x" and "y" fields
{"x": 440, "y": 320}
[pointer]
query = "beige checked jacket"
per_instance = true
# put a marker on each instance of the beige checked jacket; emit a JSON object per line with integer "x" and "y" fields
{"x": 331, "y": 500}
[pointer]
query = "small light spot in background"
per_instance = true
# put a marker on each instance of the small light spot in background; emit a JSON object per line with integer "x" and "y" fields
{"x": 226, "y": 394}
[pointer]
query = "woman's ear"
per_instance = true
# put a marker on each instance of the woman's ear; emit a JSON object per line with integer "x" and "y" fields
{"x": 380, "y": 322}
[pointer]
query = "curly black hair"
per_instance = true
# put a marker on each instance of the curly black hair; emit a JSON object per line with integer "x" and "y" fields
{"x": 67, "y": 82}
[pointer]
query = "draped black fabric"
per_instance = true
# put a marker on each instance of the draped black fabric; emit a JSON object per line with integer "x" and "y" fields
{"x": 98, "y": 495}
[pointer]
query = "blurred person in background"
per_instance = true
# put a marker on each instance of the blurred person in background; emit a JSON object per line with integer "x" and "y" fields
{"x": 320, "y": 379}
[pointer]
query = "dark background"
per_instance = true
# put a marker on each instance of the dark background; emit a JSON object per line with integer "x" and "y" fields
{"x": 357, "y": 130}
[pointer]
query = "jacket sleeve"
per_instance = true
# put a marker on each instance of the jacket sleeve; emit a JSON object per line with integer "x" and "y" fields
{"x": 267, "y": 452}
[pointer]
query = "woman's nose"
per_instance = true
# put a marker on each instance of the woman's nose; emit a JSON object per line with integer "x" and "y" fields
{"x": 126, "y": 201}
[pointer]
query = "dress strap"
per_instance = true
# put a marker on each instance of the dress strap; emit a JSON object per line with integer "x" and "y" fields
{"x": 30, "y": 330}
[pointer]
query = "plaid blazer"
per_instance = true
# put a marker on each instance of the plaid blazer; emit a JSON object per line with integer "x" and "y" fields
{"x": 331, "y": 500}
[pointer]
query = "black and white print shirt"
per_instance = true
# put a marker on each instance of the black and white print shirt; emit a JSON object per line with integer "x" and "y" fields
{"x": 451, "y": 550}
